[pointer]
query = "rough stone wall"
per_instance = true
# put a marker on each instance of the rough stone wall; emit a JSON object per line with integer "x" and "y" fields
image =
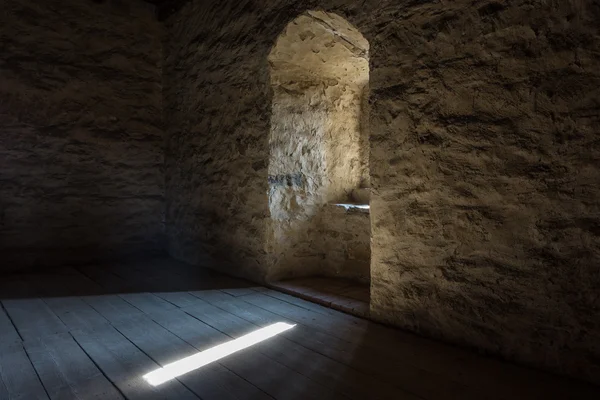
{"x": 344, "y": 238}
{"x": 484, "y": 162}
{"x": 81, "y": 141}
{"x": 485, "y": 175}
{"x": 315, "y": 160}
{"x": 319, "y": 75}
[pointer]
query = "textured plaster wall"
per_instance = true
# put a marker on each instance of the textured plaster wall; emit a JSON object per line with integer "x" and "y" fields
{"x": 484, "y": 162}
{"x": 81, "y": 140}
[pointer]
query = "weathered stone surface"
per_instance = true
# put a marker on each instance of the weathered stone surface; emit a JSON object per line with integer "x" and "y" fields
{"x": 319, "y": 74}
{"x": 483, "y": 162}
{"x": 81, "y": 140}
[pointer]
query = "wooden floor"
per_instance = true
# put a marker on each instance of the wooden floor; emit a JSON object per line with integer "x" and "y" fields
{"x": 93, "y": 332}
{"x": 340, "y": 294}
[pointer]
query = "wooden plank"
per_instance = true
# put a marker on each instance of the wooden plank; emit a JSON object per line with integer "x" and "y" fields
{"x": 147, "y": 302}
{"x": 320, "y": 369}
{"x": 335, "y": 326}
{"x": 438, "y": 358}
{"x": 216, "y": 318}
{"x": 420, "y": 352}
{"x": 340, "y": 325}
{"x": 33, "y": 318}
{"x": 125, "y": 365}
{"x": 8, "y": 332}
{"x": 319, "y": 341}
{"x": 190, "y": 329}
{"x": 66, "y": 371}
{"x": 239, "y": 291}
{"x": 112, "y": 307}
{"x": 108, "y": 281}
{"x": 180, "y": 299}
{"x": 211, "y": 296}
{"x": 210, "y": 382}
{"x": 18, "y": 379}
{"x": 476, "y": 374}
{"x": 4, "y": 394}
{"x": 355, "y": 356}
{"x": 252, "y": 365}
{"x": 75, "y": 313}
{"x": 360, "y": 353}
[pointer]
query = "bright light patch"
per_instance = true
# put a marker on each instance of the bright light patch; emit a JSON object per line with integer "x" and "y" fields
{"x": 350, "y": 206}
{"x": 191, "y": 363}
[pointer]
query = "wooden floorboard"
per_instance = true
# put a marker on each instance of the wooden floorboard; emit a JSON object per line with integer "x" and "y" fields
{"x": 93, "y": 332}
{"x": 342, "y": 354}
{"x": 179, "y": 299}
{"x": 76, "y": 313}
{"x": 416, "y": 361}
{"x": 33, "y": 318}
{"x": 18, "y": 379}
{"x": 211, "y": 382}
{"x": 106, "y": 280}
{"x": 113, "y": 308}
{"x": 345, "y": 341}
{"x": 419, "y": 353}
{"x": 66, "y": 371}
{"x": 147, "y": 303}
{"x": 239, "y": 291}
{"x": 8, "y": 332}
{"x": 125, "y": 365}
{"x": 321, "y": 369}
{"x": 272, "y": 377}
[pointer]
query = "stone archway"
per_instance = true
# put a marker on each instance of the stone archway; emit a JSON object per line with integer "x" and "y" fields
{"x": 319, "y": 150}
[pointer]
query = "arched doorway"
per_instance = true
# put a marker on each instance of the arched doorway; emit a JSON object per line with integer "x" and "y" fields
{"x": 319, "y": 146}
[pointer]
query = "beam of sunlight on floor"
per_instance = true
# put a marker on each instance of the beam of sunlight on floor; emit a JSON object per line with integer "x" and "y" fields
{"x": 191, "y": 363}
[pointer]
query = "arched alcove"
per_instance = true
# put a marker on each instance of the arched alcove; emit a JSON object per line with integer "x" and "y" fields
{"x": 319, "y": 150}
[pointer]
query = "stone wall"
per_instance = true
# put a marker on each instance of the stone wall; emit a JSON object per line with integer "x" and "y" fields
{"x": 345, "y": 241}
{"x": 81, "y": 142}
{"x": 318, "y": 148}
{"x": 314, "y": 161}
{"x": 484, "y": 162}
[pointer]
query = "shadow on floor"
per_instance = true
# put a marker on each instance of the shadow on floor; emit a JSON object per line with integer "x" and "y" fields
{"x": 161, "y": 275}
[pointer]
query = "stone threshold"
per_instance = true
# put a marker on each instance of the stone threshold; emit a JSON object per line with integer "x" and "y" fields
{"x": 339, "y": 294}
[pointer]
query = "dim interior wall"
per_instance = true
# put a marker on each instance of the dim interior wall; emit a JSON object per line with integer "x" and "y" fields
{"x": 484, "y": 162}
{"x": 81, "y": 143}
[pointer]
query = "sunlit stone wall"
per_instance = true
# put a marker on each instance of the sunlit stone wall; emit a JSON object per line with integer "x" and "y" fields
{"x": 319, "y": 72}
{"x": 484, "y": 162}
